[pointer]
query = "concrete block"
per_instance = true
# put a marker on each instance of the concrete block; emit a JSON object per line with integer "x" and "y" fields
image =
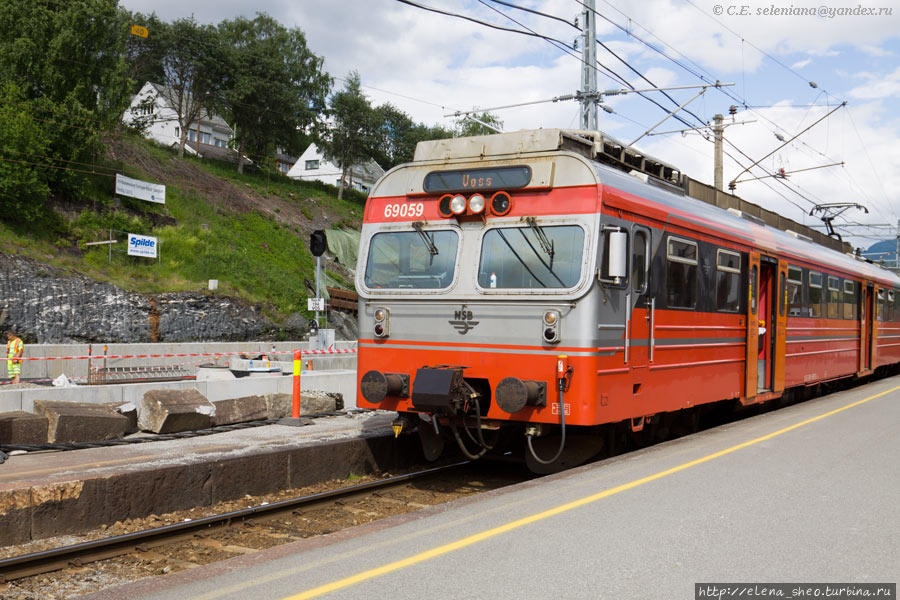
{"x": 127, "y": 410}
{"x": 240, "y": 410}
{"x": 168, "y": 411}
{"x": 280, "y": 406}
{"x": 246, "y": 386}
{"x": 10, "y": 400}
{"x": 214, "y": 373}
{"x": 22, "y": 428}
{"x": 80, "y": 421}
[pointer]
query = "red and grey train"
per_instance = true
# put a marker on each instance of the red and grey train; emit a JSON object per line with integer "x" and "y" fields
{"x": 523, "y": 284}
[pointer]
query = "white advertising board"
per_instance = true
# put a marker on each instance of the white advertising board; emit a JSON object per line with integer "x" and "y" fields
{"x": 142, "y": 190}
{"x": 142, "y": 245}
{"x": 315, "y": 304}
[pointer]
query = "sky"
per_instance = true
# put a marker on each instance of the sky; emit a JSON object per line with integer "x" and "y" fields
{"x": 791, "y": 63}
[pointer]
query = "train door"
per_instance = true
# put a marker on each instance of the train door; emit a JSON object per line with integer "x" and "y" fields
{"x": 768, "y": 323}
{"x": 779, "y": 328}
{"x": 867, "y": 327}
{"x": 750, "y": 382}
{"x": 640, "y": 324}
{"x": 766, "y": 326}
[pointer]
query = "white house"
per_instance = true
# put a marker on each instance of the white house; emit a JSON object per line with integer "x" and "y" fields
{"x": 151, "y": 106}
{"x": 312, "y": 165}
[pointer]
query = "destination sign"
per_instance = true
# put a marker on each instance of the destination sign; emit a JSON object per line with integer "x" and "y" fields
{"x": 494, "y": 178}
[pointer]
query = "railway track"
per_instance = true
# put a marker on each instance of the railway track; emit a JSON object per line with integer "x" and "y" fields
{"x": 208, "y": 539}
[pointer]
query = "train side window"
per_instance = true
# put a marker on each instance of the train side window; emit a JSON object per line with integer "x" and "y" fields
{"x": 728, "y": 280}
{"x": 881, "y": 306}
{"x": 640, "y": 261}
{"x": 850, "y": 300}
{"x": 681, "y": 273}
{"x": 893, "y": 306}
{"x": 816, "y": 297}
{"x": 834, "y": 298}
{"x": 795, "y": 304}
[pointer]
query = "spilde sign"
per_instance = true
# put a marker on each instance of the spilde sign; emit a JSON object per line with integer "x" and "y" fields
{"x": 142, "y": 245}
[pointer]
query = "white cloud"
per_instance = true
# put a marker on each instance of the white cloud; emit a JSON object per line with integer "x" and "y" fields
{"x": 878, "y": 87}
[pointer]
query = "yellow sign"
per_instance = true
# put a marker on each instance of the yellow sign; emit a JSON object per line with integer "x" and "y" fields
{"x": 139, "y": 31}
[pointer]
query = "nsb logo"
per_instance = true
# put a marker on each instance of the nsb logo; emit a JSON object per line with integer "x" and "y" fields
{"x": 462, "y": 320}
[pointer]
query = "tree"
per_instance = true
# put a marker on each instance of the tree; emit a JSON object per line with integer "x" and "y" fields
{"x": 192, "y": 72}
{"x": 64, "y": 81}
{"x": 275, "y": 87}
{"x": 145, "y": 55}
{"x": 397, "y": 136}
{"x": 466, "y": 127}
{"x": 353, "y": 136}
{"x": 23, "y": 186}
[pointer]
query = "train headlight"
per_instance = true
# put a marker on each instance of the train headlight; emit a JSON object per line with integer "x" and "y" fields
{"x": 382, "y": 327}
{"x": 476, "y": 203}
{"x": 550, "y": 326}
{"x": 444, "y": 206}
{"x": 500, "y": 203}
{"x": 458, "y": 204}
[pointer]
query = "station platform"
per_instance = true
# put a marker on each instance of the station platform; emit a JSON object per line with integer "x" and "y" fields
{"x": 807, "y": 493}
{"x": 44, "y": 494}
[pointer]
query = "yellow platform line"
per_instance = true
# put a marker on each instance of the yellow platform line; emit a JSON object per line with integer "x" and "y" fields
{"x": 490, "y": 533}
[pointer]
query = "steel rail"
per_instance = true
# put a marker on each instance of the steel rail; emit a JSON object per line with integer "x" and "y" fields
{"x": 46, "y": 561}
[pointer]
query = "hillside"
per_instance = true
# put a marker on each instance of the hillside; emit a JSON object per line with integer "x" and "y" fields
{"x": 250, "y": 231}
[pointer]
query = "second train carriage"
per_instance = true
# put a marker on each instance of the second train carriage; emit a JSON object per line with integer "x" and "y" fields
{"x": 516, "y": 284}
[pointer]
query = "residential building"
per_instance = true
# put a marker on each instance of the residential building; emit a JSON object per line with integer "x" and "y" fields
{"x": 312, "y": 166}
{"x": 152, "y": 107}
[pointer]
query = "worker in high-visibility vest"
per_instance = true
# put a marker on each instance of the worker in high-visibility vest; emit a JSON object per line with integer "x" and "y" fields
{"x": 15, "y": 349}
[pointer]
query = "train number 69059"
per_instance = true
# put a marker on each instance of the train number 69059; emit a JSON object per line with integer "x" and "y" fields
{"x": 414, "y": 209}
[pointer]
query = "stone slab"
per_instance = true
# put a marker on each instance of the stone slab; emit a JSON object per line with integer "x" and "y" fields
{"x": 80, "y": 421}
{"x": 23, "y": 428}
{"x": 240, "y": 410}
{"x": 127, "y": 410}
{"x": 170, "y": 411}
{"x": 280, "y": 406}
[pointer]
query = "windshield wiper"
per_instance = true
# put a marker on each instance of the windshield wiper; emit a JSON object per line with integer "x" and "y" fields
{"x": 519, "y": 258}
{"x": 546, "y": 244}
{"x": 538, "y": 256}
{"x": 426, "y": 239}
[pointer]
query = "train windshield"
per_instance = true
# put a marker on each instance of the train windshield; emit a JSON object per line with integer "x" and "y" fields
{"x": 531, "y": 257}
{"x": 412, "y": 259}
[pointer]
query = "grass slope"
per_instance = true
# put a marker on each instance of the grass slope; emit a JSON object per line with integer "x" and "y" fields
{"x": 249, "y": 231}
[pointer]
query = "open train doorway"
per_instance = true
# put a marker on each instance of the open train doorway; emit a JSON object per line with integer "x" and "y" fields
{"x": 867, "y": 317}
{"x": 762, "y": 326}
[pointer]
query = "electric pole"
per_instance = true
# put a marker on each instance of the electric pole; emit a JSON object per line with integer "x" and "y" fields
{"x": 718, "y": 129}
{"x": 589, "y": 97}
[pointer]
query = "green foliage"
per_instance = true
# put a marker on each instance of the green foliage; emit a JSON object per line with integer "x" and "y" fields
{"x": 397, "y": 136}
{"x": 63, "y": 81}
{"x": 466, "y": 127}
{"x": 353, "y": 137}
{"x": 23, "y": 186}
{"x": 145, "y": 55}
{"x": 274, "y": 87}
